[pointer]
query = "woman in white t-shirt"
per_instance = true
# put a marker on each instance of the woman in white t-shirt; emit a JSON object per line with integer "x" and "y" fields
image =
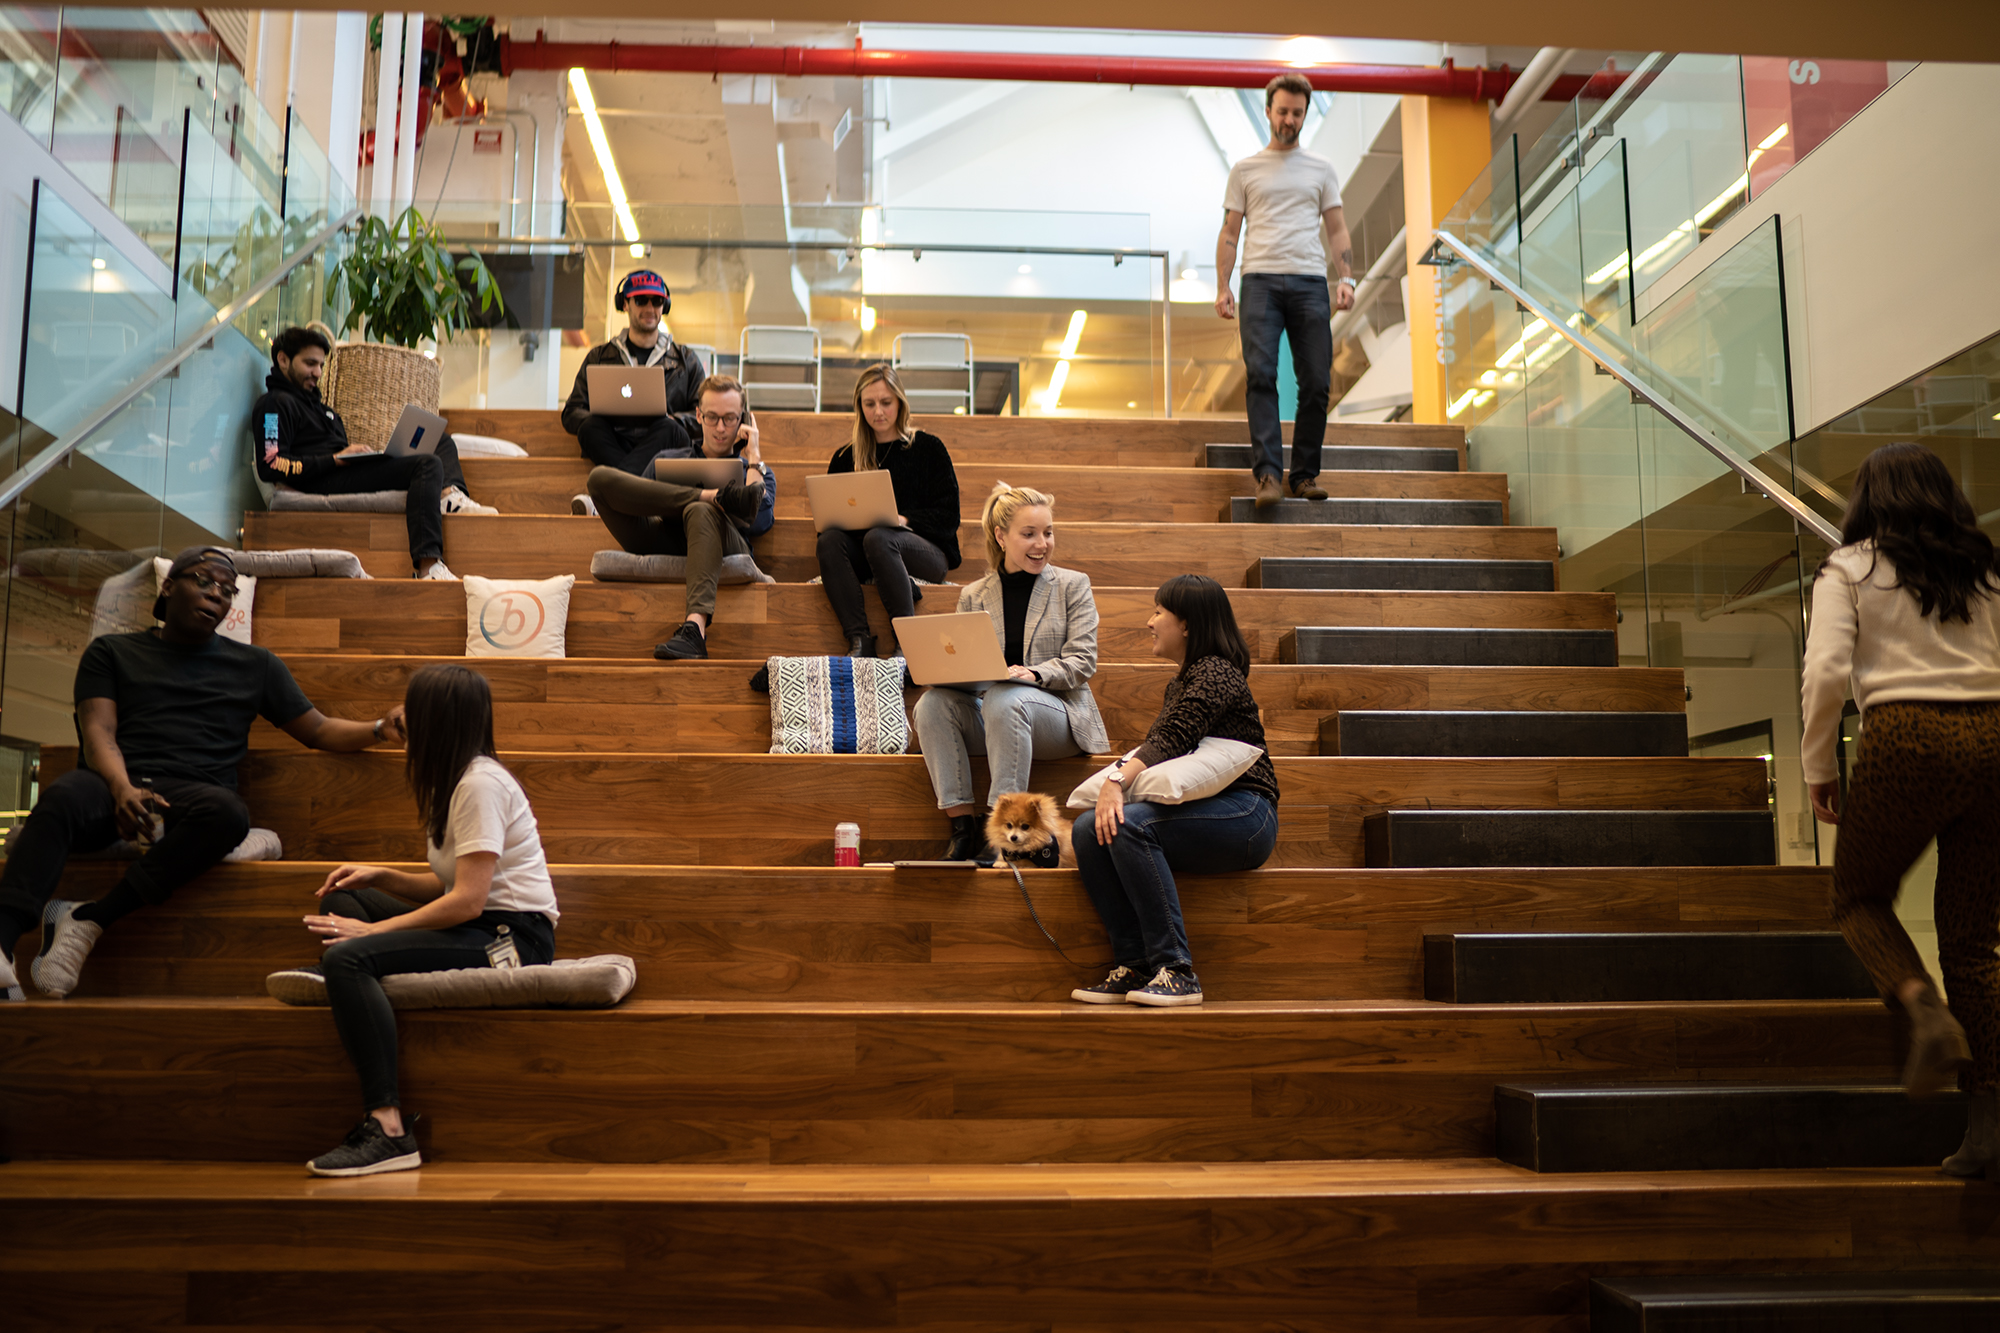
{"x": 1906, "y": 609}
{"x": 488, "y": 887}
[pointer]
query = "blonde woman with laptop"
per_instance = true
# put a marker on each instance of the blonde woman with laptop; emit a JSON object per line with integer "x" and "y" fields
{"x": 1046, "y": 620}
{"x": 923, "y": 544}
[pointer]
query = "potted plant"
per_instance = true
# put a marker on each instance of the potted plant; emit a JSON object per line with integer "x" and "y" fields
{"x": 400, "y": 284}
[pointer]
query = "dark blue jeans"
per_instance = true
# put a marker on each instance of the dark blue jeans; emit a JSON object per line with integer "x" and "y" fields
{"x": 1131, "y": 882}
{"x": 1300, "y": 306}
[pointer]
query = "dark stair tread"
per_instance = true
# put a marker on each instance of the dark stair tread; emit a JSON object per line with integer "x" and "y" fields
{"x": 1341, "y": 645}
{"x": 1951, "y": 1302}
{"x": 1502, "y": 733}
{"x": 1711, "y": 1127}
{"x": 1593, "y": 967}
{"x": 1389, "y": 572}
{"x": 1349, "y": 457}
{"x": 1372, "y": 510}
{"x": 1409, "y": 838}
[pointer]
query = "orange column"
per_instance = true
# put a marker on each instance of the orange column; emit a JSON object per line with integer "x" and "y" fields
{"x": 1447, "y": 142}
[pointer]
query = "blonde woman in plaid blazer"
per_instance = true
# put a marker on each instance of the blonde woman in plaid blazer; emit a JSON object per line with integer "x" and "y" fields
{"x": 1046, "y": 620}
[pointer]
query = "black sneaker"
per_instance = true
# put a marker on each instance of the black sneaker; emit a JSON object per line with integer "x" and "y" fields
{"x": 305, "y": 984}
{"x": 687, "y": 644}
{"x": 367, "y": 1151}
{"x": 1169, "y": 986}
{"x": 740, "y": 501}
{"x": 1113, "y": 989}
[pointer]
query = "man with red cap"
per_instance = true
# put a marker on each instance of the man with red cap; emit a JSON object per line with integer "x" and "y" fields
{"x": 164, "y": 716}
{"x": 630, "y": 443}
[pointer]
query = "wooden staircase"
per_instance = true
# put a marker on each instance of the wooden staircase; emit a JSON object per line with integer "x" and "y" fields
{"x": 860, "y": 1098}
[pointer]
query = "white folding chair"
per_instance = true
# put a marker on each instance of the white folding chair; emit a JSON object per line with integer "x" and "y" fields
{"x": 787, "y": 351}
{"x": 707, "y": 355}
{"x": 938, "y": 358}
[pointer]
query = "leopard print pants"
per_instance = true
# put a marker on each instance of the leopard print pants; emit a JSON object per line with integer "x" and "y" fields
{"x": 1928, "y": 770}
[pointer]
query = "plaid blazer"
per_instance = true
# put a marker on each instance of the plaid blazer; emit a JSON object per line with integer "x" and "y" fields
{"x": 1059, "y": 639}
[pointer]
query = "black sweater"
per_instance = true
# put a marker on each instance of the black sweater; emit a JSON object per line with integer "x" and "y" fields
{"x": 926, "y": 487}
{"x": 1211, "y": 698}
{"x": 684, "y": 376}
{"x": 297, "y": 434}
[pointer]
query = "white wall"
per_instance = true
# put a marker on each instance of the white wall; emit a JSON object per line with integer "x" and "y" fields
{"x": 1892, "y": 240}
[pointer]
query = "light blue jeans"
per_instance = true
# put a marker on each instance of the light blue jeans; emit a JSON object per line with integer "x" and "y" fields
{"x": 1012, "y": 724}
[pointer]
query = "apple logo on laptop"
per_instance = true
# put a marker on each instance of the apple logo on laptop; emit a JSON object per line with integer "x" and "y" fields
{"x": 853, "y": 502}
{"x": 624, "y": 391}
{"x": 950, "y": 648}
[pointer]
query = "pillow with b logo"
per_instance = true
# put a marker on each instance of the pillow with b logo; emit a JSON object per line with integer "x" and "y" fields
{"x": 517, "y": 617}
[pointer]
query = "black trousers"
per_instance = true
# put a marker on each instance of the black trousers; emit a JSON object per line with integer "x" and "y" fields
{"x": 423, "y": 476}
{"x": 629, "y": 443}
{"x": 891, "y": 556}
{"x": 204, "y": 823}
{"x": 354, "y": 970}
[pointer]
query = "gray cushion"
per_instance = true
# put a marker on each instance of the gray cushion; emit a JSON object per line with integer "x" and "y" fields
{"x": 368, "y": 502}
{"x": 305, "y": 562}
{"x": 567, "y": 983}
{"x": 624, "y": 567}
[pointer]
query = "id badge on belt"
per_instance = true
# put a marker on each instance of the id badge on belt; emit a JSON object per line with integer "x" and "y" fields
{"x": 500, "y": 951}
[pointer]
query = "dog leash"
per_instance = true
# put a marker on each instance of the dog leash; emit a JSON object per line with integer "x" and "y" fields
{"x": 1022, "y": 885}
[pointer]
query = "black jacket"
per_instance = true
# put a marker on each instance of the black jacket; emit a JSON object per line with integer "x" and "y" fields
{"x": 297, "y": 434}
{"x": 685, "y": 373}
{"x": 926, "y": 487}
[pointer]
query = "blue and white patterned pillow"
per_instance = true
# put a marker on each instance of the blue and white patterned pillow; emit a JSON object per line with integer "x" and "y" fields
{"x": 838, "y": 705}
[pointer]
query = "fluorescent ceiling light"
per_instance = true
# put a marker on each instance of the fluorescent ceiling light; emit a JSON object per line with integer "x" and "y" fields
{"x": 1075, "y": 334}
{"x": 1722, "y": 201}
{"x": 1776, "y": 135}
{"x": 1053, "y": 394}
{"x": 1616, "y": 268}
{"x": 1507, "y": 357}
{"x": 579, "y": 83}
{"x": 1464, "y": 401}
{"x": 868, "y": 319}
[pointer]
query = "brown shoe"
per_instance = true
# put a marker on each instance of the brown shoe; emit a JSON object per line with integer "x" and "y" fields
{"x": 1307, "y": 488}
{"x": 1938, "y": 1050}
{"x": 1268, "y": 492}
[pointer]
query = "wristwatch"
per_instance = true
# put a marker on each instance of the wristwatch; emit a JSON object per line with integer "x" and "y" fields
{"x": 378, "y": 728}
{"x": 1349, "y": 281}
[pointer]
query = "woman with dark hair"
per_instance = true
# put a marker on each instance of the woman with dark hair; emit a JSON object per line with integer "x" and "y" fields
{"x": 1127, "y": 852}
{"x": 924, "y": 542}
{"x": 1905, "y": 609}
{"x": 488, "y": 888}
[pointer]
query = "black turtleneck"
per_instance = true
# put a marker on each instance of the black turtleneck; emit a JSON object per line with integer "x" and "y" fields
{"x": 1016, "y": 587}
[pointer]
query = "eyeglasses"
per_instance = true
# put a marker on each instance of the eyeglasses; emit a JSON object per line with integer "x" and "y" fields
{"x": 644, "y": 300}
{"x": 207, "y": 582}
{"x": 711, "y": 419}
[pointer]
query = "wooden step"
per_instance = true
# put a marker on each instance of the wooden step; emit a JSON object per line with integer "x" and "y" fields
{"x": 637, "y": 705}
{"x": 755, "y": 621}
{"x": 1961, "y": 1302}
{"x": 1348, "y": 572}
{"x": 1686, "y": 836}
{"x": 821, "y": 933}
{"x": 1083, "y": 494}
{"x": 1580, "y": 967}
{"x": 777, "y": 810}
{"x": 1341, "y": 509}
{"x": 1442, "y": 1246}
{"x": 1723, "y": 1127}
{"x": 1492, "y": 732}
{"x": 797, "y": 1082}
{"x": 1347, "y": 458}
{"x": 1401, "y": 646}
{"x": 1114, "y": 554}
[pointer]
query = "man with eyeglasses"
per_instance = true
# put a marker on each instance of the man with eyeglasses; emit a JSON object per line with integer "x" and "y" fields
{"x": 629, "y": 443}
{"x": 647, "y": 516}
{"x": 164, "y": 716}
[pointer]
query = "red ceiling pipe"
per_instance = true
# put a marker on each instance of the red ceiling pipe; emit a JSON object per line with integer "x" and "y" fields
{"x": 858, "y": 62}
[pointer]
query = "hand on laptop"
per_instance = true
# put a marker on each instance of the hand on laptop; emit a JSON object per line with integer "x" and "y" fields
{"x": 353, "y": 450}
{"x": 1023, "y": 674}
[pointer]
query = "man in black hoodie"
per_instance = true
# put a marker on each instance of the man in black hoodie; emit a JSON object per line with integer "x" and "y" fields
{"x": 630, "y": 443}
{"x": 302, "y": 443}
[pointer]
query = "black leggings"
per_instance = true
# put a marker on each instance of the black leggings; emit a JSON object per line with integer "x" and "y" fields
{"x": 355, "y": 968}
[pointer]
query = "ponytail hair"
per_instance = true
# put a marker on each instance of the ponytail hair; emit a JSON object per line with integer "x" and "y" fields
{"x": 1001, "y": 506}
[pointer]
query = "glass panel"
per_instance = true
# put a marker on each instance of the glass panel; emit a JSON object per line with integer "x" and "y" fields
{"x": 230, "y": 238}
{"x": 1792, "y": 106}
{"x": 28, "y": 67}
{"x": 1686, "y": 158}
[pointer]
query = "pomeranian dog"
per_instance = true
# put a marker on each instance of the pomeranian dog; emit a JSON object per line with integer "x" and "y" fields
{"x": 1027, "y": 828}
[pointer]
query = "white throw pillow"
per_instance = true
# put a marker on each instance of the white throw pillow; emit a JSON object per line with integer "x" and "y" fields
{"x": 236, "y": 625}
{"x": 1215, "y": 764}
{"x": 486, "y": 446}
{"x": 517, "y": 617}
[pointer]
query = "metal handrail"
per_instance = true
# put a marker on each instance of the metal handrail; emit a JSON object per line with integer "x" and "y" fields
{"x": 1753, "y": 476}
{"x": 44, "y": 462}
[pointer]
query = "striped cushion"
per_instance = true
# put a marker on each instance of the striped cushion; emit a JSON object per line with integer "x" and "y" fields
{"x": 838, "y": 705}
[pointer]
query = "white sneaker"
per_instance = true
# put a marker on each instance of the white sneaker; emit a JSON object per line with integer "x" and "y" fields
{"x": 455, "y": 501}
{"x": 584, "y": 505}
{"x": 439, "y": 573}
{"x": 10, "y": 985}
{"x": 66, "y": 942}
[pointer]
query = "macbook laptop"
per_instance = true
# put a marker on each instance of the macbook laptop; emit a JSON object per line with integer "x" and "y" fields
{"x": 854, "y": 501}
{"x": 702, "y": 472}
{"x": 958, "y": 649}
{"x": 627, "y": 391}
{"x": 417, "y": 432}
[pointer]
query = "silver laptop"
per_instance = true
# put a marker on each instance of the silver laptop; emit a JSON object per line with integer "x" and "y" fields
{"x": 702, "y": 472}
{"x": 417, "y": 432}
{"x": 958, "y": 649}
{"x": 854, "y": 501}
{"x": 627, "y": 391}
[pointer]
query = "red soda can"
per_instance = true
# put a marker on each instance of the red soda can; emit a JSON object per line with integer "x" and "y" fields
{"x": 847, "y": 844}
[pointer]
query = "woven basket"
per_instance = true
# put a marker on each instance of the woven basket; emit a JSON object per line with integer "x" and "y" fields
{"x": 370, "y": 384}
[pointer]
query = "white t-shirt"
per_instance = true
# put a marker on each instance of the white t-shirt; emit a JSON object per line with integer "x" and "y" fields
{"x": 1282, "y": 197}
{"x": 490, "y": 813}
{"x": 1866, "y": 629}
